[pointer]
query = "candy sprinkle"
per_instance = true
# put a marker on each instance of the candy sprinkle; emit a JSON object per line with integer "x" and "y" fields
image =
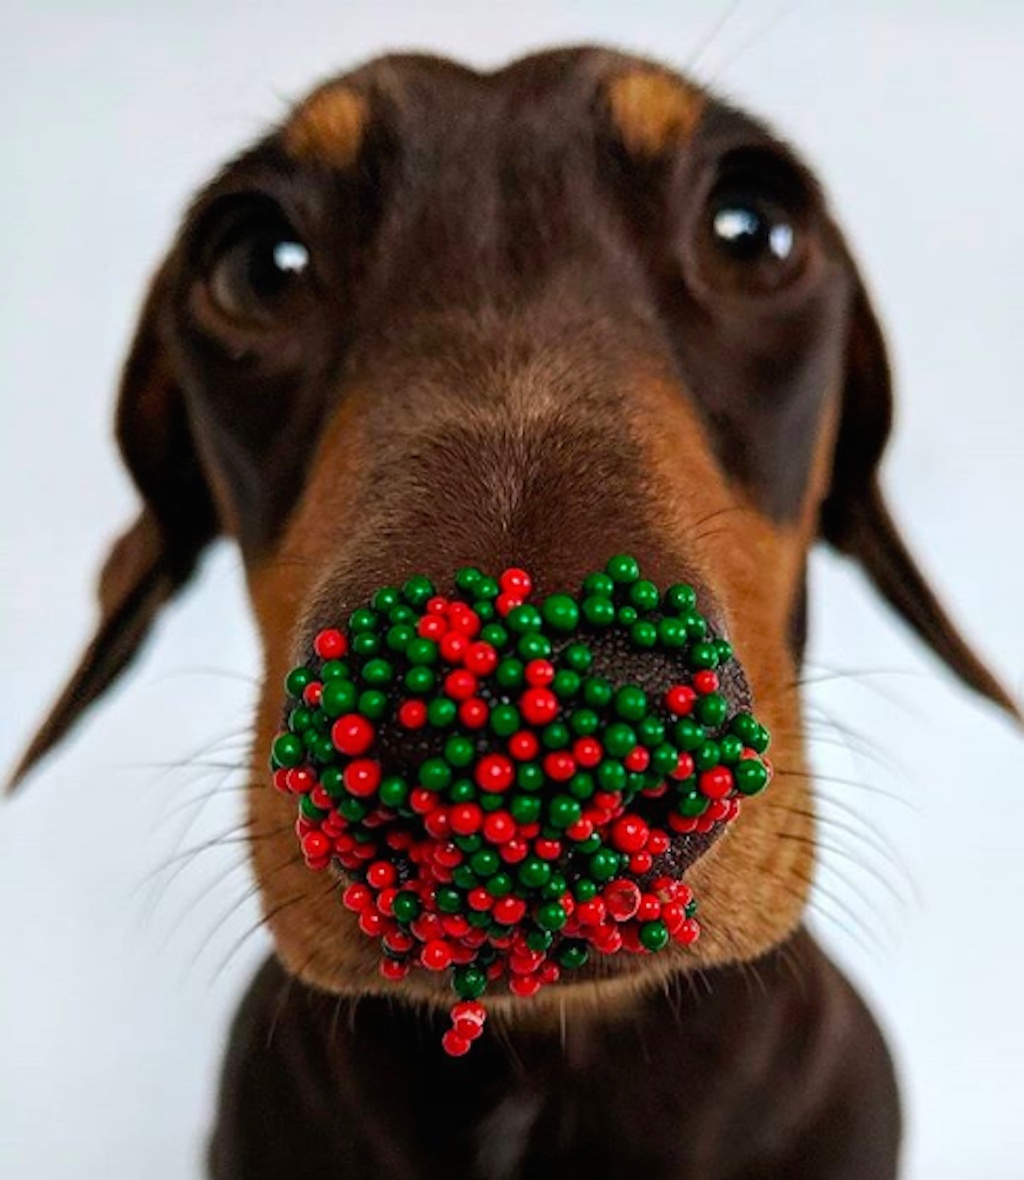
{"x": 501, "y": 812}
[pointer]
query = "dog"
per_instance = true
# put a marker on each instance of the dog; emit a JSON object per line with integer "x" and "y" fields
{"x": 576, "y": 307}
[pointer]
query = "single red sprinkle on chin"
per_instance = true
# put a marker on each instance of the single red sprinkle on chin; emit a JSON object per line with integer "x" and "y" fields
{"x": 503, "y": 807}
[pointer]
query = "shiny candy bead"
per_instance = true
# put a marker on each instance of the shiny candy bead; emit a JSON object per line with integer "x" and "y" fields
{"x": 619, "y": 739}
{"x": 644, "y": 595}
{"x": 525, "y": 809}
{"x": 751, "y": 776}
{"x": 551, "y": 916}
{"x": 494, "y": 773}
{"x": 584, "y": 722}
{"x": 459, "y": 751}
{"x": 516, "y": 581}
{"x": 598, "y": 611}
{"x": 561, "y": 612}
{"x": 421, "y": 651}
{"x": 288, "y": 750}
{"x": 510, "y": 673}
{"x": 623, "y": 569}
{"x": 630, "y": 703}
{"x": 372, "y": 704}
{"x": 671, "y": 633}
{"x": 704, "y": 655}
{"x": 441, "y": 712}
{"x": 522, "y": 619}
{"x": 654, "y": 935}
{"x": 707, "y": 756}
{"x": 564, "y": 811}
{"x": 573, "y": 955}
{"x": 680, "y": 598}
{"x": 598, "y": 583}
{"x": 750, "y": 732}
{"x": 556, "y": 736}
{"x": 643, "y": 634}
{"x": 538, "y": 706}
{"x": 297, "y": 680}
{"x": 731, "y": 748}
{"x": 650, "y": 730}
{"x": 629, "y": 834}
{"x": 330, "y": 644}
{"x": 716, "y": 783}
{"x": 534, "y": 872}
{"x": 611, "y": 775}
{"x": 688, "y": 735}
{"x": 338, "y": 697}
{"x": 470, "y": 982}
{"x": 468, "y": 578}
{"x": 604, "y": 864}
{"x": 378, "y": 672}
{"x": 598, "y": 692}
{"x": 578, "y": 657}
{"x": 712, "y": 710}
{"x": 418, "y": 590}
{"x": 419, "y": 680}
{"x": 361, "y": 777}
{"x": 406, "y": 907}
{"x": 435, "y": 774}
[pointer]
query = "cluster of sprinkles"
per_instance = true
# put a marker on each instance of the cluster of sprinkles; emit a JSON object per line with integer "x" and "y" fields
{"x": 502, "y": 812}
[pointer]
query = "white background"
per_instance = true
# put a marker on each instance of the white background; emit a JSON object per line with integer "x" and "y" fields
{"x": 115, "y": 990}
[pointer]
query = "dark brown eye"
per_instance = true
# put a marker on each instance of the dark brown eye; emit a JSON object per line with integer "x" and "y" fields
{"x": 259, "y": 269}
{"x": 750, "y": 242}
{"x": 752, "y": 237}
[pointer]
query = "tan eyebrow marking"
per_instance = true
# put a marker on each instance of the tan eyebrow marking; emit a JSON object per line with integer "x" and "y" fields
{"x": 654, "y": 111}
{"x": 328, "y": 127}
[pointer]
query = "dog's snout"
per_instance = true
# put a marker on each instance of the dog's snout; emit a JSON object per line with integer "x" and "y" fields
{"x": 510, "y": 783}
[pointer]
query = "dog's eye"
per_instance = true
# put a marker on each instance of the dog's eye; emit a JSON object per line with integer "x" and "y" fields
{"x": 751, "y": 242}
{"x": 259, "y": 267}
{"x": 753, "y": 234}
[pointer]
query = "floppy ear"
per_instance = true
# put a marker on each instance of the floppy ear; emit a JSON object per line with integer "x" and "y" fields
{"x": 156, "y": 555}
{"x": 856, "y": 520}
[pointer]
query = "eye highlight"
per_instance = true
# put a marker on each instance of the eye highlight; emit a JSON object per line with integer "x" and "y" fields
{"x": 753, "y": 234}
{"x": 258, "y": 270}
{"x": 744, "y": 231}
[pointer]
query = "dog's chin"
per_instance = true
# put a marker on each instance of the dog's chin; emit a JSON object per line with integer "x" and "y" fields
{"x": 325, "y": 949}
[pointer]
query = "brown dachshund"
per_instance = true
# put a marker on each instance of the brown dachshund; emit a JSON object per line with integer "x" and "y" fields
{"x": 536, "y": 317}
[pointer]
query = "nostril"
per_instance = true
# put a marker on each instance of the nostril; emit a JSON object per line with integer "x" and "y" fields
{"x": 515, "y": 790}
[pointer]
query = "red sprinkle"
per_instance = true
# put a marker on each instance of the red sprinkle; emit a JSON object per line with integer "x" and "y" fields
{"x": 330, "y": 644}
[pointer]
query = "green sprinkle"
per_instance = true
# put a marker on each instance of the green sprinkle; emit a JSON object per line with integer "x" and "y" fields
{"x": 623, "y": 569}
{"x": 560, "y": 612}
{"x": 296, "y": 681}
{"x": 631, "y": 703}
{"x": 599, "y": 611}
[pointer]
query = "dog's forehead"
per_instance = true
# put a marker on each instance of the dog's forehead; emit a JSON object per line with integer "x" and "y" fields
{"x": 554, "y": 100}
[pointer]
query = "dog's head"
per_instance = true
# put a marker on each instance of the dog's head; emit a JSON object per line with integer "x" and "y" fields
{"x": 537, "y": 317}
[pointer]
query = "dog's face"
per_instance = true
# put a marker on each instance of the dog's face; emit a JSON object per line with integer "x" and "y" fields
{"x": 536, "y": 317}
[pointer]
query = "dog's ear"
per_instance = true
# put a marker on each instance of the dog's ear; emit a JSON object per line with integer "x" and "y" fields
{"x": 856, "y": 520}
{"x": 156, "y": 555}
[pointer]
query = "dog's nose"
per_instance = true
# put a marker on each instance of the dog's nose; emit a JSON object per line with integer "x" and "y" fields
{"x": 510, "y": 787}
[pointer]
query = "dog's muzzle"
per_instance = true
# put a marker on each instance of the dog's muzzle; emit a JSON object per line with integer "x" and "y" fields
{"x": 512, "y": 790}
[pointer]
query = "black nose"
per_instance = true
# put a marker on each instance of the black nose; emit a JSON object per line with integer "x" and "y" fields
{"x": 632, "y": 651}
